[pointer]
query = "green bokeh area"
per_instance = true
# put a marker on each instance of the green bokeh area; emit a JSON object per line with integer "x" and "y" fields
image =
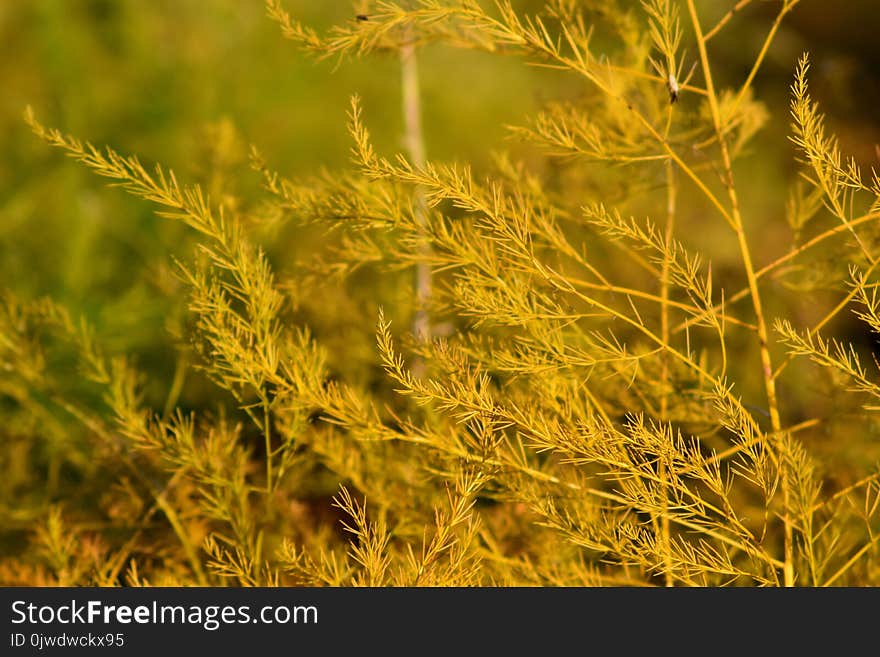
{"x": 156, "y": 78}
{"x": 169, "y": 80}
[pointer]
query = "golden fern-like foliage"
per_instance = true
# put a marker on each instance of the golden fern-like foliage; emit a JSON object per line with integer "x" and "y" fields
{"x": 574, "y": 416}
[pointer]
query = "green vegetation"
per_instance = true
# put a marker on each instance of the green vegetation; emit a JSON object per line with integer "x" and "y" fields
{"x": 551, "y": 311}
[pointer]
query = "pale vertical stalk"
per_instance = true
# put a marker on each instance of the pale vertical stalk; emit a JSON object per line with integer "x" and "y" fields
{"x": 671, "y": 198}
{"x": 415, "y": 146}
{"x": 754, "y": 291}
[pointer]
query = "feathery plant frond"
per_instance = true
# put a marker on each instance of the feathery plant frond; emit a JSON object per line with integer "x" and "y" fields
{"x": 598, "y": 399}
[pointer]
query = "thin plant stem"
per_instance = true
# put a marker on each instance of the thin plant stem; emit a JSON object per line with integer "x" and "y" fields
{"x": 739, "y": 6}
{"x": 158, "y": 495}
{"x": 176, "y": 386}
{"x": 415, "y": 146}
{"x": 852, "y": 560}
{"x": 267, "y": 432}
{"x": 781, "y": 260}
{"x": 659, "y": 299}
{"x": 765, "y": 48}
{"x": 671, "y": 198}
{"x": 183, "y": 536}
{"x": 831, "y": 314}
{"x": 754, "y": 290}
{"x": 577, "y": 62}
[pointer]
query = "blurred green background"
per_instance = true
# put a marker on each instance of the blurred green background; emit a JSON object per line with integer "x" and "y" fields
{"x": 191, "y": 83}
